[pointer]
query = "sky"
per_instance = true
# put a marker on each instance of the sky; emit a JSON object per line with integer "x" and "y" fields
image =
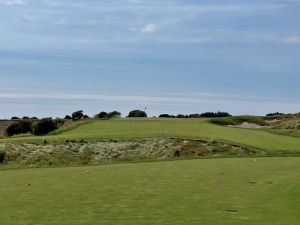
{"x": 170, "y": 56}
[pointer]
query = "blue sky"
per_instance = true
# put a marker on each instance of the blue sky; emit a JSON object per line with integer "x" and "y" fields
{"x": 172, "y": 56}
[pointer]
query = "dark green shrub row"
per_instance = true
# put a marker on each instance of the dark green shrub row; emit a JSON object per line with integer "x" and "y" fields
{"x": 22, "y": 127}
{"x": 42, "y": 127}
{"x": 45, "y": 126}
{"x": 78, "y": 115}
{"x": 105, "y": 115}
{"x": 198, "y": 115}
{"x": 137, "y": 113}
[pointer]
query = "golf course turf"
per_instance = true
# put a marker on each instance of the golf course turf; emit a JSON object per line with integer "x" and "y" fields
{"x": 220, "y": 191}
{"x": 206, "y": 191}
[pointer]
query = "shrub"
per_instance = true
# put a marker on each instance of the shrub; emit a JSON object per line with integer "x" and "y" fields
{"x": 213, "y": 114}
{"x": 166, "y": 116}
{"x": 59, "y": 122}
{"x": 102, "y": 115}
{"x": 45, "y": 126}
{"x": 114, "y": 114}
{"x": 67, "y": 117}
{"x": 196, "y": 115}
{"x": 22, "y": 127}
{"x": 137, "y": 113}
{"x": 2, "y": 156}
{"x": 181, "y": 116}
{"x": 86, "y": 117}
{"x": 78, "y": 115}
{"x": 275, "y": 114}
{"x": 210, "y": 115}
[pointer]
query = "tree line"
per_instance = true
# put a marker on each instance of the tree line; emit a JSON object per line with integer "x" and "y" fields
{"x": 42, "y": 127}
{"x": 198, "y": 115}
{"x": 79, "y": 115}
{"x": 32, "y": 125}
{"x": 35, "y": 126}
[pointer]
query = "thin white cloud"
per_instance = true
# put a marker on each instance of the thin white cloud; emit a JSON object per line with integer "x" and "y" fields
{"x": 197, "y": 99}
{"x": 12, "y": 2}
{"x": 149, "y": 28}
{"x": 292, "y": 39}
{"x": 174, "y": 21}
{"x": 168, "y": 6}
{"x": 28, "y": 18}
{"x": 135, "y": 1}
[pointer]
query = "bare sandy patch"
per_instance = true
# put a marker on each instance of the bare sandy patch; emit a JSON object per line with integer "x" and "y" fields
{"x": 248, "y": 125}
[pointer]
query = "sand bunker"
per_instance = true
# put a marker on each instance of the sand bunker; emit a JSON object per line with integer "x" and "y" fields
{"x": 248, "y": 125}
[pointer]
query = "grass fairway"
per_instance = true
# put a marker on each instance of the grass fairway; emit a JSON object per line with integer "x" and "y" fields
{"x": 219, "y": 192}
{"x": 161, "y": 128}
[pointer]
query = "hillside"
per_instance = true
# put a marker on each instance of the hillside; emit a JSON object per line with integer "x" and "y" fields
{"x": 129, "y": 129}
{"x": 179, "y": 133}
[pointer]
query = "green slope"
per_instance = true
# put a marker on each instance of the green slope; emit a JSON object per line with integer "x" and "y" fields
{"x": 219, "y": 192}
{"x": 161, "y": 128}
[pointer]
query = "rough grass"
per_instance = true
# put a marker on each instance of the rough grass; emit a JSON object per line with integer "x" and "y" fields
{"x": 289, "y": 124}
{"x": 219, "y": 192}
{"x": 285, "y": 125}
{"x": 286, "y": 132}
{"x": 99, "y": 152}
{"x": 237, "y": 120}
{"x": 130, "y": 129}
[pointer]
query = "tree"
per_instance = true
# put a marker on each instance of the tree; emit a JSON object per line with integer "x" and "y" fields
{"x": 196, "y": 115}
{"x": 102, "y": 115}
{"x": 213, "y": 114}
{"x": 22, "y": 127}
{"x": 86, "y": 117}
{"x": 275, "y": 114}
{"x": 78, "y": 115}
{"x": 166, "y": 116}
{"x": 2, "y": 156}
{"x": 181, "y": 116}
{"x": 15, "y": 118}
{"x": 45, "y": 126}
{"x": 222, "y": 114}
{"x": 59, "y": 122}
{"x": 137, "y": 113}
{"x": 114, "y": 114}
{"x": 67, "y": 117}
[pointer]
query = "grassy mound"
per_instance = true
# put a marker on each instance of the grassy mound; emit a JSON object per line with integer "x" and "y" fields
{"x": 237, "y": 120}
{"x": 134, "y": 129}
{"x": 292, "y": 123}
{"x": 220, "y": 192}
{"x": 102, "y": 152}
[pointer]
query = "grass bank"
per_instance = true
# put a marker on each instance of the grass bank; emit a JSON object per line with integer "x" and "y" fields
{"x": 132, "y": 129}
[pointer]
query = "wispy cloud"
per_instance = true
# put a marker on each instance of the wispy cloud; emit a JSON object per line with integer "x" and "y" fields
{"x": 292, "y": 39}
{"x": 168, "y": 6}
{"x": 149, "y": 28}
{"x": 28, "y": 18}
{"x": 61, "y": 22}
{"x": 12, "y": 2}
{"x": 202, "y": 100}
